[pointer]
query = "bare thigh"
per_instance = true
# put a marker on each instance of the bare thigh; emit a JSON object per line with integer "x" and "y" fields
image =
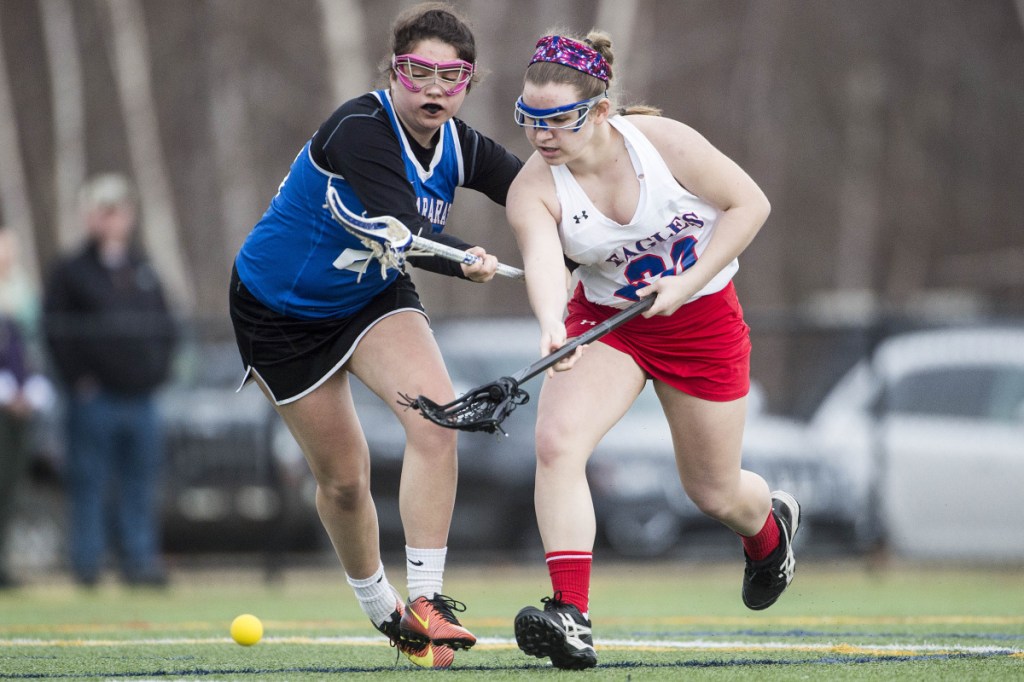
{"x": 325, "y": 425}
{"x": 578, "y": 406}
{"x": 399, "y": 355}
{"x": 707, "y": 436}
{"x": 708, "y": 440}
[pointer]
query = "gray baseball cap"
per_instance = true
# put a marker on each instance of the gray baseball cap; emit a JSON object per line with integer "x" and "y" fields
{"x": 107, "y": 189}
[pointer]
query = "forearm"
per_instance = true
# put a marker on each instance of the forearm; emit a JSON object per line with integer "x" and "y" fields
{"x": 547, "y": 298}
{"x": 530, "y": 210}
{"x": 546, "y": 283}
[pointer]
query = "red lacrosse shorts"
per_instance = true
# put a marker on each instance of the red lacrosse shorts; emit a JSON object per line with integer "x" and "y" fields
{"x": 703, "y": 349}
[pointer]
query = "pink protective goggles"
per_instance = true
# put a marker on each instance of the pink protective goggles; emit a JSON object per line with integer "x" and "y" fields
{"x": 415, "y": 73}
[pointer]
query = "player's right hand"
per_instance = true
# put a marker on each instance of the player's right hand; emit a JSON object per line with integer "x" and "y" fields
{"x": 483, "y": 270}
{"x": 552, "y": 340}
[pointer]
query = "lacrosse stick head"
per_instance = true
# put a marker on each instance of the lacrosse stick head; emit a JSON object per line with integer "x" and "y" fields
{"x": 386, "y": 237}
{"x": 482, "y": 409}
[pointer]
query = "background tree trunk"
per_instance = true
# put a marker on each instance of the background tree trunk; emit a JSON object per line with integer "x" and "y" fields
{"x": 859, "y": 194}
{"x": 14, "y": 194}
{"x": 130, "y": 56}
{"x": 344, "y": 32}
{"x": 68, "y": 96}
{"x": 207, "y": 109}
{"x": 230, "y": 128}
{"x": 618, "y": 18}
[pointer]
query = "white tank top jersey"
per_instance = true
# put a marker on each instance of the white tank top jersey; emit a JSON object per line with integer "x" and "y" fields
{"x": 669, "y": 230}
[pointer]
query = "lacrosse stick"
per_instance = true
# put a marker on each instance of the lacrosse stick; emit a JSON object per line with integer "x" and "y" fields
{"x": 390, "y": 241}
{"x": 485, "y": 407}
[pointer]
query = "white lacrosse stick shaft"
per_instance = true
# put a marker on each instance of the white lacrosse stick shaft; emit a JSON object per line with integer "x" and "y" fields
{"x": 401, "y": 239}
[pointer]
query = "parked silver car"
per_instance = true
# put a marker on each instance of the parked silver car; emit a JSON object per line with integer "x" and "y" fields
{"x": 235, "y": 480}
{"x": 929, "y": 434}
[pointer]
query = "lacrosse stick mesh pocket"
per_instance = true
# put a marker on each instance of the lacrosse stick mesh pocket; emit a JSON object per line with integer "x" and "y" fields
{"x": 481, "y": 409}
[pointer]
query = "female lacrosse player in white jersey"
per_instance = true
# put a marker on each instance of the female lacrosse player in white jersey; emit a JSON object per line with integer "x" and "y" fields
{"x": 309, "y": 308}
{"x": 640, "y": 205}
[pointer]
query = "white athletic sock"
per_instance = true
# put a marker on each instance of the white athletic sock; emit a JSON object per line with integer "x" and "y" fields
{"x": 376, "y": 596}
{"x": 425, "y": 571}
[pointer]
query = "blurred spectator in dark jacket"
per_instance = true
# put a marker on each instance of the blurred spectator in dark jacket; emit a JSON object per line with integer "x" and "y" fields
{"x": 23, "y": 392}
{"x": 111, "y": 336}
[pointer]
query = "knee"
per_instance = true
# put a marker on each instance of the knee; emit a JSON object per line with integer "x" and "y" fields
{"x": 431, "y": 442}
{"x": 712, "y": 501}
{"x": 345, "y": 494}
{"x": 551, "y": 442}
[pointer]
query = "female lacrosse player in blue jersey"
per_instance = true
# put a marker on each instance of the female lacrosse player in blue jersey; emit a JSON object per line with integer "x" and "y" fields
{"x": 309, "y": 309}
{"x": 643, "y": 205}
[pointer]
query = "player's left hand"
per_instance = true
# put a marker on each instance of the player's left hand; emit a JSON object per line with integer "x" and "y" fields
{"x": 483, "y": 270}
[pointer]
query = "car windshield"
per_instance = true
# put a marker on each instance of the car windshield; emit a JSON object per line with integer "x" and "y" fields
{"x": 971, "y": 392}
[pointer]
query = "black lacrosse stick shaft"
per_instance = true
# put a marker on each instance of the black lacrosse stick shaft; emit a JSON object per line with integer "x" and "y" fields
{"x": 485, "y": 407}
{"x": 591, "y": 335}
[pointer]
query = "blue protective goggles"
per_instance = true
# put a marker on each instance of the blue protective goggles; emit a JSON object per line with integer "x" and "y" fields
{"x": 566, "y": 117}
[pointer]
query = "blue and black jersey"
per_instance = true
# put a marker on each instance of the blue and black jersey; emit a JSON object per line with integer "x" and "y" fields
{"x": 299, "y": 262}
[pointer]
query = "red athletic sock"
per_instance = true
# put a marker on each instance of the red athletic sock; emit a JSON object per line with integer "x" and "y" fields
{"x": 764, "y": 543}
{"x": 570, "y": 577}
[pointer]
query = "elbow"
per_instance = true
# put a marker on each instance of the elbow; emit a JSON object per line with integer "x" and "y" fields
{"x": 763, "y": 208}
{"x": 758, "y": 212}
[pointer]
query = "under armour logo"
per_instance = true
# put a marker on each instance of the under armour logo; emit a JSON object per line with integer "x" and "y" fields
{"x": 592, "y": 323}
{"x": 580, "y": 217}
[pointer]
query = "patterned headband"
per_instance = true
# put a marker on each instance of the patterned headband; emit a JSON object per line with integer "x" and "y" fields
{"x": 575, "y": 55}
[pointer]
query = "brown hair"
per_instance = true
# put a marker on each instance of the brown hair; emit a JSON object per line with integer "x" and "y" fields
{"x": 588, "y": 87}
{"x": 437, "y": 20}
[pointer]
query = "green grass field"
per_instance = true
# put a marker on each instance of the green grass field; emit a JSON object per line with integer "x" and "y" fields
{"x": 652, "y": 621}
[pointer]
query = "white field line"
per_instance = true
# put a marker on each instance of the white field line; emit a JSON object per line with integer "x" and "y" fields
{"x": 603, "y": 644}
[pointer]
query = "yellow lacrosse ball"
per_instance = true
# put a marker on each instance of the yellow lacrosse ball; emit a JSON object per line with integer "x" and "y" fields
{"x": 246, "y": 629}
